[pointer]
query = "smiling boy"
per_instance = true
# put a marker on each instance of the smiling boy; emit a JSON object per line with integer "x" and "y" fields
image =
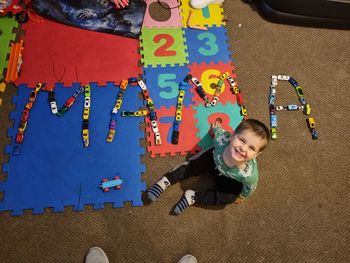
{"x": 232, "y": 163}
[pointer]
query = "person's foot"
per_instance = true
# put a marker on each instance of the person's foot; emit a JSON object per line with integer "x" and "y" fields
{"x": 199, "y": 4}
{"x": 96, "y": 255}
{"x": 186, "y": 201}
{"x": 153, "y": 193}
{"x": 188, "y": 259}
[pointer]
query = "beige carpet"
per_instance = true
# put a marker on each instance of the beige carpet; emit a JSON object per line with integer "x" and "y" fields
{"x": 300, "y": 211}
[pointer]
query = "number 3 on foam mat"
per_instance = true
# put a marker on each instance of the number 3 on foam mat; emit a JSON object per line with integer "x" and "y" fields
{"x": 163, "y": 50}
{"x": 211, "y": 48}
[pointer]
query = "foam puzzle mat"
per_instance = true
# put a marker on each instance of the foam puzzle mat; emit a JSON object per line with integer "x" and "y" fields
{"x": 54, "y": 170}
{"x": 170, "y": 51}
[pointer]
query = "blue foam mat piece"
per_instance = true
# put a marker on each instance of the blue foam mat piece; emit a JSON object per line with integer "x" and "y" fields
{"x": 54, "y": 170}
{"x": 163, "y": 85}
{"x": 209, "y": 46}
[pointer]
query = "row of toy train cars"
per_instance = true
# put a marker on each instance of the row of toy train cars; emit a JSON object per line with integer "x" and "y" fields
{"x": 86, "y": 90}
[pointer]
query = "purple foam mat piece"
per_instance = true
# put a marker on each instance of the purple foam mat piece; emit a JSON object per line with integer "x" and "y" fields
{"x": 54, "y": 170}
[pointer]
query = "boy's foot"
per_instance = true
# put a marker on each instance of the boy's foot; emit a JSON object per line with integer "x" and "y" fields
{"x": 186, "y": 201}
{"x": 96, "y": 255}
{"x": 199, "y": 4}
{"x": 153, "y": 193}
{"x": 188, "y": 259}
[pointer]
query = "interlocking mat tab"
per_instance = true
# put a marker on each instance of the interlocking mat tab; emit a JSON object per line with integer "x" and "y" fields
{"x": 56, "y": 53}
{"x": 54, "y": 170}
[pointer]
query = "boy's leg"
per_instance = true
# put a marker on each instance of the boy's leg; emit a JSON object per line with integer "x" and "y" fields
{"x": 199, "y": 164}
{"x": 226, "y": 192}
{"x": 187, "y": 200}
{"x": 153, "y": 193}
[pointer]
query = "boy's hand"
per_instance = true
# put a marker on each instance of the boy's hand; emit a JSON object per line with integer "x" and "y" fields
{"x": 239, "y": 200}
{"x": 217, "y": 123}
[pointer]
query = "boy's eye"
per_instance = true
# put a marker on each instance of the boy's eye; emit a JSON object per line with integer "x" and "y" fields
{"x": 252, "y": 148}
{"x": 242, "y": 140}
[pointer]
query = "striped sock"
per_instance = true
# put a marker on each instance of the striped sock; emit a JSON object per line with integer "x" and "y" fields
{"x": 186, "y": 201}
{"x": 153, "y": 193}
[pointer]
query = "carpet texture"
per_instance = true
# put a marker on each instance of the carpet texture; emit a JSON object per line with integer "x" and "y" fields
{"x": 299, "y": 212}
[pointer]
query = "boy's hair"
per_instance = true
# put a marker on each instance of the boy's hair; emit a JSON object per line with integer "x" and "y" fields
{"x": 257, "y": 127}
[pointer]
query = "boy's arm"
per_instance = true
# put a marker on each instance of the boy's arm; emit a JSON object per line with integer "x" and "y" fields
{"x": 216, "y": 128}
{"x": 250, "y": 182}
{"x": 246, "y": 192}
{"x": 247, "y": 189}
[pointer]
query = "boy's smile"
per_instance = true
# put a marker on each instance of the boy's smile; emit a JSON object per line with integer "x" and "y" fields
{"x": 243, "y": 147}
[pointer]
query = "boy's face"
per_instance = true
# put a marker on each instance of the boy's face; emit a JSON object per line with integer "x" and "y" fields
{"x": 245, "y": 146}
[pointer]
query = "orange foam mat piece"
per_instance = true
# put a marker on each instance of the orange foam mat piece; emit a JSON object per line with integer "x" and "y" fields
{"x": 56, "y": 53}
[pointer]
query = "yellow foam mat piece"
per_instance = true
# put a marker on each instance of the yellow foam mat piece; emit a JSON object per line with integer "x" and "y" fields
{"x": 212, "y": 15}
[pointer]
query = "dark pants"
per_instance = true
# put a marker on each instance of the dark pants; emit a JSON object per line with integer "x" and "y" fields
{"x": 226, "y": 189}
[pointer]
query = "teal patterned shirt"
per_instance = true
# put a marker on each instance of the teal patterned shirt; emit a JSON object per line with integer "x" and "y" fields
{"x": 249, "y": 177}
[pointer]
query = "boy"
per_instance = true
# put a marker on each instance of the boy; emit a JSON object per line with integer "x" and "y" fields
{"x": 231, "y": 162}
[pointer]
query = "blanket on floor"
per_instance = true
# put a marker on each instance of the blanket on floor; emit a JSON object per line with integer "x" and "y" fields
{"x": 96, "y": 15}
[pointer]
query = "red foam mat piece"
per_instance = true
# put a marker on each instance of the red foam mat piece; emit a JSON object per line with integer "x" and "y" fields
{"x": 56, "y": 53}
{"x": 187, "y": 138}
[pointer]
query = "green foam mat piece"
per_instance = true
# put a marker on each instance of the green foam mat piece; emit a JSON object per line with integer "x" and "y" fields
{"x": 6, "y": 26}
{"x": 229, "y": 113}
{"x": 163, "y": 47}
